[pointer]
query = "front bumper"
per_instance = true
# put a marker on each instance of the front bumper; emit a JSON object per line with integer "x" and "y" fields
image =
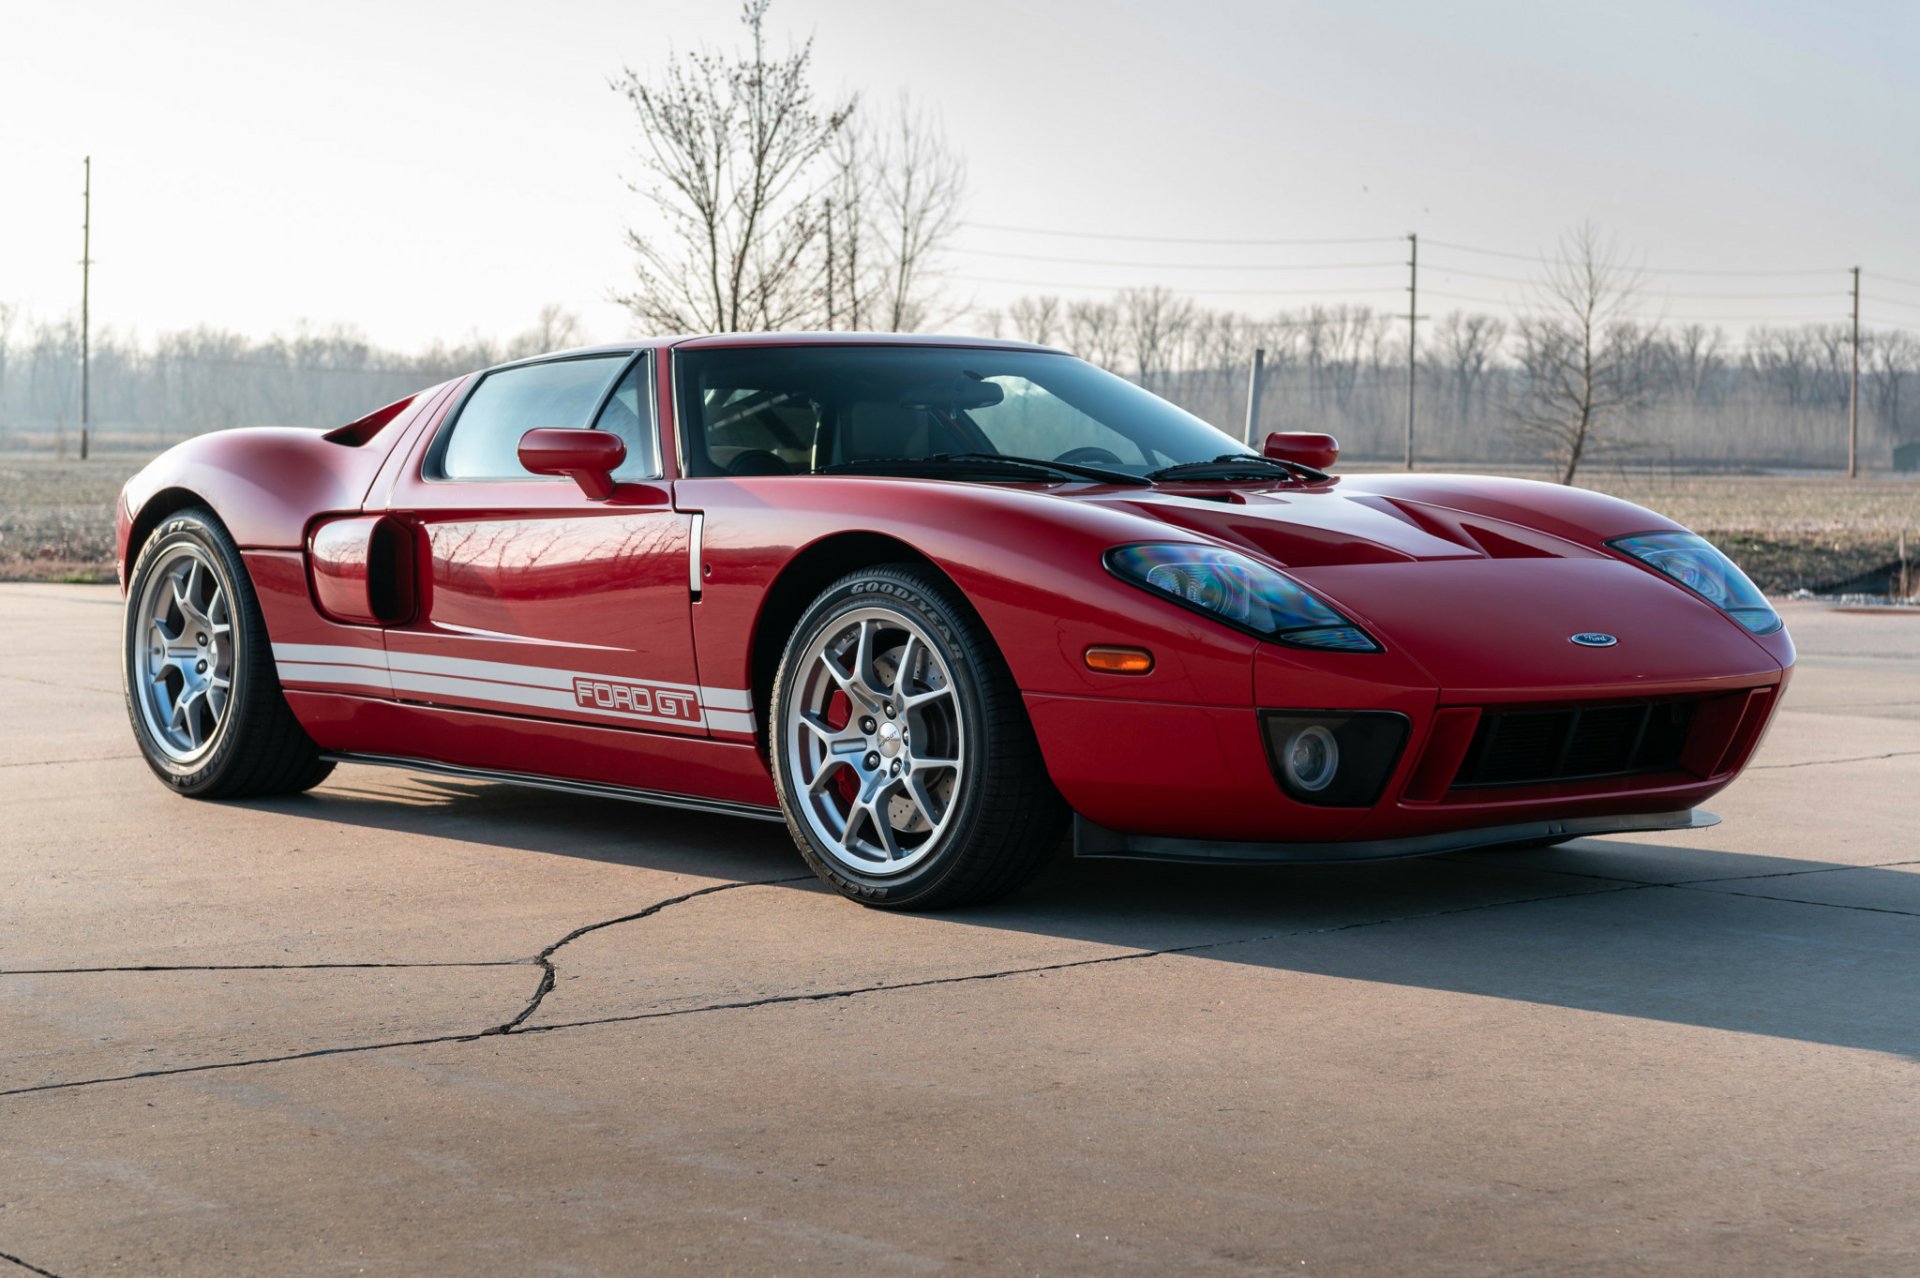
{"x": 1184, "y": 773}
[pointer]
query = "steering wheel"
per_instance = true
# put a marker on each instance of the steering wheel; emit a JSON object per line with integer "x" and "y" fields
{"x": 1090, "y": 455}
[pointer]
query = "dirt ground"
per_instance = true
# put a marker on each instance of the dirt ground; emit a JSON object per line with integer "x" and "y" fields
{"x": 1788, "y": 532}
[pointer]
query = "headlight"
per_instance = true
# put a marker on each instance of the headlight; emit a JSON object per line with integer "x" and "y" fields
{"x": 1695, "y": 563}
{"x": 1240, "y": 591}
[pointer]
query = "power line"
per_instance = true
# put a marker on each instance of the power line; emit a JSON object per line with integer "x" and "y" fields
{"x": 1114, "y": 288}
{"x": 1176, "y": 239}
{"x": 1893, "y": 301}
{"x": 1648, "y": 270}
{"x": 1180, "y": 266}
{"x": 1730, "y": 319}
{"x": 1534, "y": 283}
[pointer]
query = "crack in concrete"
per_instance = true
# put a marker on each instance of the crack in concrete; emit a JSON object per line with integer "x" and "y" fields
{"x": 54, "y": 763}
{"x": 252, "y": 967}
{"x": 514, "y": 1027}
{"x": 821, "y": 996}
{"x": 65, "y": 686}
{"x": 544, "y": 960}
{"x": 1795, "y": 900}
{"x": 1730, "y": 878}
{"x": 30, "y": 1268}
{"x": 549, "y": 971}
{"x": 545, "y": 957}
{"x": 1820, "y": 763}
{"x": 1794, "y": 874}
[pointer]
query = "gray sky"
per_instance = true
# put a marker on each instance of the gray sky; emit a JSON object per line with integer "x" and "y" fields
{"x": 425, "y": 170}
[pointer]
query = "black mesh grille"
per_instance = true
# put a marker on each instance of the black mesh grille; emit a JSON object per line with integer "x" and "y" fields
{"x": 1528, "y": 747}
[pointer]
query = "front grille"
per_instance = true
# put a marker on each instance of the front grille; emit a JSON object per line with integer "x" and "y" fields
{"x": 1532, "y": 747}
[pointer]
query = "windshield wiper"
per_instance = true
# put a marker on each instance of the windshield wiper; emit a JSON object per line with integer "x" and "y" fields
{"x": 1238, "y": 466}
{"x": 1099, "y": 474}
{"x": 1024, "y": 468}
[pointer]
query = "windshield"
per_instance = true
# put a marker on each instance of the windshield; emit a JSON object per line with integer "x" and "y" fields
{"x": 795, "y": 410}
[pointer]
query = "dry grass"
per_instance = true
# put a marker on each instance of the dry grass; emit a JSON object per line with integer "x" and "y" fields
{"x": 1788, "y": 532}
{"x": 56, "y": 518}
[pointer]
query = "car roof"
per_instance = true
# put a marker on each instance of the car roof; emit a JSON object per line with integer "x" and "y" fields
{"x": 713, "y": 341}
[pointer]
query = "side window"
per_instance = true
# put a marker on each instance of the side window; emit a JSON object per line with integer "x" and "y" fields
{"x": 1032, "y": 422}
{"x": 629, "y": 414}
{"x": 760, "y": 432}
{"x": 486, "y": 436}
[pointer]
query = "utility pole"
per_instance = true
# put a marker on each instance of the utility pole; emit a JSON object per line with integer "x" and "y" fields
{"x": 86, "y": 283}
{"x": 1413, "y": 342}
{"x": 1254, "y": 379}
{"x": 1853, "y": 388}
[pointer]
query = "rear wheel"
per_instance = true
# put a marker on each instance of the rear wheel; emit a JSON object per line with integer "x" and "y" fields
{"x": 201, "y": 690}
{"x": 904, "y": 761}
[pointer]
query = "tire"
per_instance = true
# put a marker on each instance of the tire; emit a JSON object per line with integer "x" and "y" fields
{"x": 903, "y": 757}
{"x": 202, "y": 692}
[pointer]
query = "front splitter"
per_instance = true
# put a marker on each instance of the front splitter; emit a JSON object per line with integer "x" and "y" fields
{"x": 1090, "y": 840}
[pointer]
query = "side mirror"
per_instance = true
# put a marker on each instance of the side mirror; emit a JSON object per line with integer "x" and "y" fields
{"x": 587, "y": 457}
{"x": 1305, "y": 447}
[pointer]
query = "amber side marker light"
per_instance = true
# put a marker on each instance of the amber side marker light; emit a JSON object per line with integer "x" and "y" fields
{"x": 1128, "y": 661}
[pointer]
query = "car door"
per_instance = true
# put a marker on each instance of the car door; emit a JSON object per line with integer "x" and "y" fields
{"x": 536, "y": 601}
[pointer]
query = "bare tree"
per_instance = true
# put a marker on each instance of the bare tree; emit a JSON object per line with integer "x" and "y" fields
{"x": 1035, "y": 319}
{"x": 1584, "y": 361}
{"x": 1892, "y": 357}
{"x": 1156, "y": 320}
{"x": 922, "y": 186}
{"x": 728, "y": 144}
{"x": 1468, "y": 345}
{"x": 848, "y": 260}
{"x": 1092, "y": 330}
{"x": 555, "y": 329}
{"x": 8, "y": 315}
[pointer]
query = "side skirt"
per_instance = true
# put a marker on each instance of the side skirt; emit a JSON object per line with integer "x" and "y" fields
{"x": 598, "y": 789}
{"x": 1090, "y": 840}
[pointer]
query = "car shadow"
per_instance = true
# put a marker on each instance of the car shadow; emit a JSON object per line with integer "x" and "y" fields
{"x": 1795, "y": 949}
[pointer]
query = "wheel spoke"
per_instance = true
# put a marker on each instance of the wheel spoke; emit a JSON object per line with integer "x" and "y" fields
{"x": 825, "y": 774}
{"x": 185, "y": 717}
{"x": 836, "y": 743}
{"x": 916, "y": 788}
{"x": 903, "y": 673}
{"x": 887, "y": 836}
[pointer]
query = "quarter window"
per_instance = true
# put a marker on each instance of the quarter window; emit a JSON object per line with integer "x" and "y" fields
{"x": 485, "y": 440}
{"x": 629, "y": 414}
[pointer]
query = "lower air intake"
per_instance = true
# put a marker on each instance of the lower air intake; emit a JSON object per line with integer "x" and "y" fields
{"x": 1534, "y": 747}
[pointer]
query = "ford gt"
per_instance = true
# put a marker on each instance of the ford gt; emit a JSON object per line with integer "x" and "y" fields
{"x": 934, "y": 603}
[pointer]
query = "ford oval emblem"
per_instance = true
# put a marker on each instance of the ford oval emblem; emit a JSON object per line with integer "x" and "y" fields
{"x": 1594, "y": 639}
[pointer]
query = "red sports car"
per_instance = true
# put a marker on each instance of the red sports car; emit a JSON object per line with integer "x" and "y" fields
{"x": 930, "y": 601}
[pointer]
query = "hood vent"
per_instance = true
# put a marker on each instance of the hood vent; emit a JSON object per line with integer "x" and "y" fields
{"x": 1494, "y": 538}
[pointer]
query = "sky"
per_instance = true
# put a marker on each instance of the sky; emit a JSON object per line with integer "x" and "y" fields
{"x": 424, "y": 171}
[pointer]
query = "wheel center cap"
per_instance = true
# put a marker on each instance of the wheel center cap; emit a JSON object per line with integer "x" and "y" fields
{"x": 889, "y": 739}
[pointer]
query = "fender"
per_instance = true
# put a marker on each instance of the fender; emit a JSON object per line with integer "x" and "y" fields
{"x": 267, "y": 483}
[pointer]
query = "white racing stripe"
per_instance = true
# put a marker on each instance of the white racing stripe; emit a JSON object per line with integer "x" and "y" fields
{"x": 573, "y": 692}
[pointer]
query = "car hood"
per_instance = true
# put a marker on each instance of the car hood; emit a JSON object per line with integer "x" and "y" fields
{"x": 1325, "y": 526}
{"x": 1435, "y": 576}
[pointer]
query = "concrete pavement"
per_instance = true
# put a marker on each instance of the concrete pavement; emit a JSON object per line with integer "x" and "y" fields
{"x": 267, "y": 1037}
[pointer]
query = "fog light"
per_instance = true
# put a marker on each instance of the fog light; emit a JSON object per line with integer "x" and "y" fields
{"x": 1311, "y": 758}
{"x": 1333, "y": 758}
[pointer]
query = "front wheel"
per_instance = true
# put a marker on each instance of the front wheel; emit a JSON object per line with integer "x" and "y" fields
{"x": 904, "y": 761}
{"x": 205, "y": 702}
